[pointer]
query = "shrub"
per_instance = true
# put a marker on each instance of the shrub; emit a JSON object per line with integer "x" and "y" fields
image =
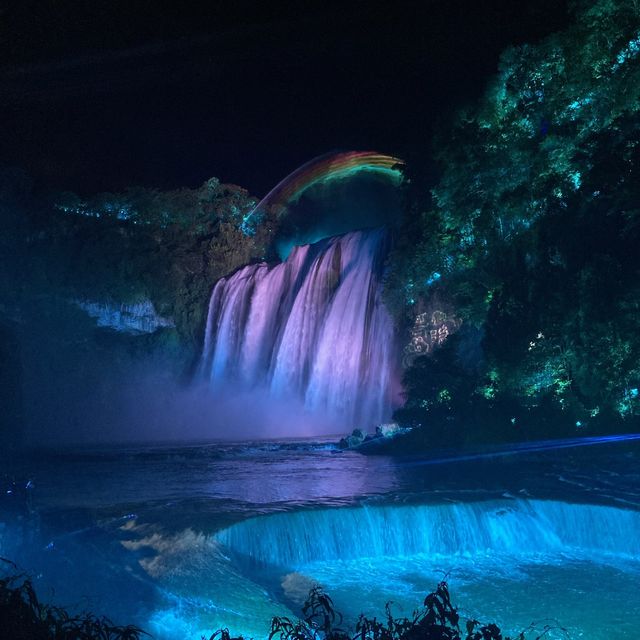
{"x": 437, "y": 620}
{"x": 24, "y": 617}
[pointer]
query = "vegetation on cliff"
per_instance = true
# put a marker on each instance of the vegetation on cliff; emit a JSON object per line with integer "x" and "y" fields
{"x": 531, "y": 234}
{"x": 168, "y": 247}
{"x": 143, "y": 244}
{"x": 142, "y": 262}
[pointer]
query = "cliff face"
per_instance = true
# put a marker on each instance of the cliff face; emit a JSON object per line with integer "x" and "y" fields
{"x": 151, "y": 248}
{"x": 104, "y": 302}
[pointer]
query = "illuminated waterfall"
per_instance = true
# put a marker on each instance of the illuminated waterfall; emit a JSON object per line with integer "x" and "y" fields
{"x": 512, "y": 527}
{"x": 312, "y": 328}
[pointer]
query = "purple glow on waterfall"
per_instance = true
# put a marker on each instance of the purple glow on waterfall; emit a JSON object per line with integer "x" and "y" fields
{"x": 312, "y": 330}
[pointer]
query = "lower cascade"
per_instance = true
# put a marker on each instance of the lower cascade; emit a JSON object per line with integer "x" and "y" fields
{"x": 500, "y": 526}
{"x": 312, "y": 329}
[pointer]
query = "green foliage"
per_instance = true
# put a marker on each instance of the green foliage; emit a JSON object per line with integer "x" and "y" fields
{"x": 534, "y": 223}
{"x": 167, "y": 247}
{"x": 192, "y": 210}
{"x": 24, "y": 617}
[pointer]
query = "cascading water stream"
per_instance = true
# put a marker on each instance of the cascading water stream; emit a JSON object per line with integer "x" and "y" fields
{"x": 312, "y": 329}
{"x": 570, "y": 568}
{"x": 513, "y": 527}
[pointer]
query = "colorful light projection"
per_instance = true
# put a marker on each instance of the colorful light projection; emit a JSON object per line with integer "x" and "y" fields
{"x": 324, "y": 168}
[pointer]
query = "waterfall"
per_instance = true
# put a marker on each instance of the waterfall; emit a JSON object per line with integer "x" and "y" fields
{"x": 312, "y": 328}
{"x": 501, "y": 526}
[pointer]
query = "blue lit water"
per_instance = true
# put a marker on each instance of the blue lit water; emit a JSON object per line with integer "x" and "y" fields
{"x": 185, "y": 539}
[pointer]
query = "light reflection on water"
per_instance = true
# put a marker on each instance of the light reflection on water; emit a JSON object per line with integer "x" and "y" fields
{"x": 139, "y": 521}
{"x": 244, "y": 479}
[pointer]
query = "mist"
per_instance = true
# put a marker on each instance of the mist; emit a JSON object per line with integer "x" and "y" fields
{"x": 81, "y": 384}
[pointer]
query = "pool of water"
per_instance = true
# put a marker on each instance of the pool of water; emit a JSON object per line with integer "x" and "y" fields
{"x": 185, "y": 539}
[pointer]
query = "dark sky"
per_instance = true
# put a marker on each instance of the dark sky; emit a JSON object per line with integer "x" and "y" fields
{"x": 99, "y": 95}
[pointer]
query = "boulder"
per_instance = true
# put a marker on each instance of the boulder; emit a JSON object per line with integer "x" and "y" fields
{"x": 356, "y": 438}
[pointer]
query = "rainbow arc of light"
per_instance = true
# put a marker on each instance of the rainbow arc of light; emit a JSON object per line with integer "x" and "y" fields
{"x": 329, "y": 166}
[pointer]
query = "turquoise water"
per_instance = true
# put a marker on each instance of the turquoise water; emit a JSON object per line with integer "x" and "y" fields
{"x": 185, "y": 539}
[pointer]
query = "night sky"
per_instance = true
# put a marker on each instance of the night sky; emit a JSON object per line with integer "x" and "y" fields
{"x": 101, "y": 95}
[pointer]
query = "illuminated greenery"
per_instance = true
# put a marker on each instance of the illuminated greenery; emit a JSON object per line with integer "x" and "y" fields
{"x": 145, "y": 244}
{"x": 191, "y": 210}
{"x": 534, "y": 225}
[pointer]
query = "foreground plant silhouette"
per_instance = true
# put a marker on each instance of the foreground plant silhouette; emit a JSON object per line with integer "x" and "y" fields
{"x": 438, "y": 620}
{"x": 24, "y": 617}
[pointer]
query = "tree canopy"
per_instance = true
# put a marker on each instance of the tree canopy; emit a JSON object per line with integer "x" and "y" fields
{"x": 532, "y": 228}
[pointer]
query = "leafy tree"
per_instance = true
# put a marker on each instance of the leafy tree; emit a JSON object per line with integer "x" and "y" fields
{"x": 532, "y": 225}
